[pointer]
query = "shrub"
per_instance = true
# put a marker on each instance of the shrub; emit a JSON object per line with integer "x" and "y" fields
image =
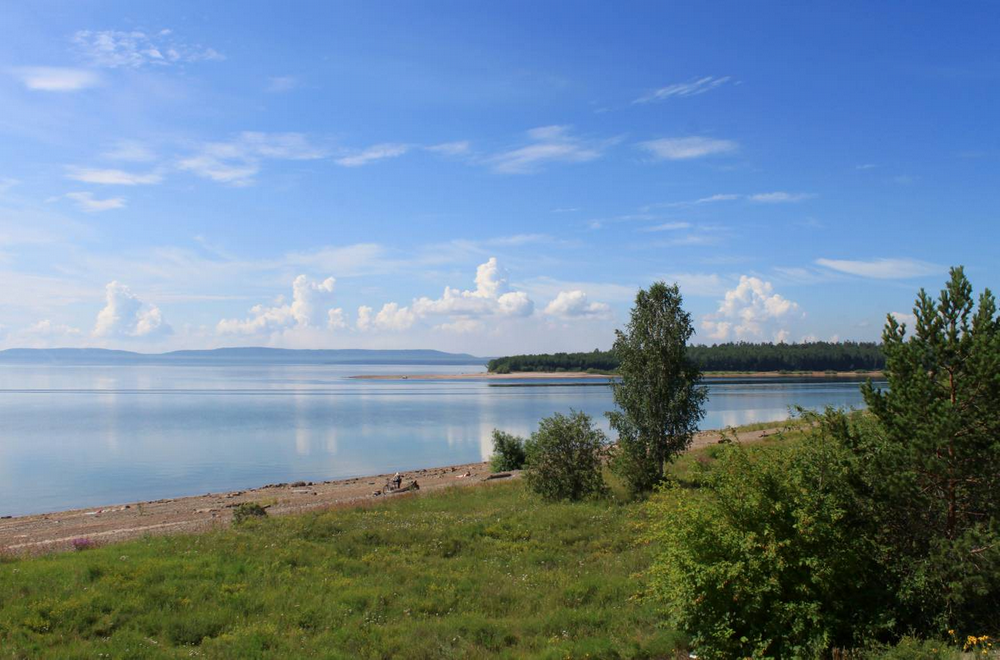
{"x": 564, "y": 458}
{"x": 772, "y": 557}
{"x": 248, "y": 511}
{"x": 508, "y": 452}
{"x": 82, "y": 544}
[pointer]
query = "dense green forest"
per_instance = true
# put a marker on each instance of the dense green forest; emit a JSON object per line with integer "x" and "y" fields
{"x": 741, "y": 356}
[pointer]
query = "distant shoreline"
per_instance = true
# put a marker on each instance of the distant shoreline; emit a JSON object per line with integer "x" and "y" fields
{"x": 566, "y": 375}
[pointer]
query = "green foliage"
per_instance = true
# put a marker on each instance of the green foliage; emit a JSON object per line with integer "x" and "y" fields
{"x": 248, "y": 511}
{"x": 881, "y": 524}
{"x": 911, "y": 648}
{"x": 734, "y": 356}
{"x": 564, "y": 458}
{"x": 508, "y": 452}
{"x": 467, "y": 573}
{"x": 769, "y": 558}
{"x": 936, "y": 459}
{"x": 658, "y": 397}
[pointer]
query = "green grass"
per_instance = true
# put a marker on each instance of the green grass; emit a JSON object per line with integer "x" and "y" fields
{"x": 478, "y": 572}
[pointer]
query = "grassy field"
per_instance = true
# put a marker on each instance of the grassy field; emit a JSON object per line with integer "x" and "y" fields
{"x": 488, "y": 571}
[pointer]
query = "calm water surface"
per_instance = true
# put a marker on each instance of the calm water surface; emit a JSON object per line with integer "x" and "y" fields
{"x": 76, "y": 436}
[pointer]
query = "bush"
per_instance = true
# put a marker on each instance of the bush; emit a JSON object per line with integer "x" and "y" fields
{"x": 248, "y": 511}
{"x": 564, "y": 458}
{"x": 508, "y": 452}
{"x": 771, "y": 557}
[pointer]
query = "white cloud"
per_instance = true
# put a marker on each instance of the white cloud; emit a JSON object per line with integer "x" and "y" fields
{"x": 136, "y": 49}
{"x": 364, "y": 322}
{"x": 336, "y": 319}
{"x": 55, "y": 79}
{"x": 908, "y": 318}
{"x": 450, "y": 148}
{"x": 549, "y": 144}
{"x": 86, "y": 202}
{"x": 491, "y": 296}
{"x": 691, "y": 88}
{"x": 884, "y": 269}
{"x": 462, "y": 326}
{"x": 576, "y": 304}
{"x": 779, "y": 197}
{"x": 131, "y": 151}
{"x": 391, "y": 317}
{"x": 749, "y": 311}
{"x": 124, "y": 315}
{"x": 310, "y": 307}
{"x": 47, "y": 328}
{"x": 112, "y": 177}
{"x": 394, "y": 318}
{"x": 236, "y": 162}
{"x": 667, "y": 226}
{"x": 372, "y": 154}
{"x": 687, "y": 147}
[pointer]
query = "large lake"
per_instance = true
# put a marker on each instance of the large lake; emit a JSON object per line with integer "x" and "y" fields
{"x": 77, "y": 436}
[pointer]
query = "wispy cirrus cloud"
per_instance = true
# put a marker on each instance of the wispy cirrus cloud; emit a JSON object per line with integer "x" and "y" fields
{"x": 372, "y": 154}
{"x": 667, "y": 226}
{"x": 237, "y": 161}
{"x": 779, "y": 197}
{"x": 456, "y": 148}
{"x": 135, "y": 49}
{"x": 112, "y": 177}
{"x": 86, "y": 201}
{"x": 548, "y": 144}
{"x": 691, "y": 88}
{"x": 687, "y": 148}
{"x": 55, "y": 79}
{"x": 882, "y": 269}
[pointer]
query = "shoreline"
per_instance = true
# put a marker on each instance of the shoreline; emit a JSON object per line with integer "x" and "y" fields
{"x": 42, "y": 533}
{"x": 566, "y": 375}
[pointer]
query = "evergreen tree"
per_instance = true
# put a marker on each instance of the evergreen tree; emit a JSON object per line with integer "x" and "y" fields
{"x": 940, "y": 455}
{"x": 658, "y": 396}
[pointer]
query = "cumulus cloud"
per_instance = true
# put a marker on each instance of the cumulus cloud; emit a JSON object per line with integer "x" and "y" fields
{"x": 86, "y": 202}
{"x": 691, "y": 88}
{"x": 112, "y": 177}
{"x": 749, "y": 311}
{"x": 237, "y": 161}
{"x": 310, "y": 307}
{"x": 55, "y": 79}
{"x": 575, "y": 304}
{"x": 882, "y": 269}
{"x": 492, "y": 297}
{"x": 136, "y": 49}
{"x": 686, "y": 148}
{"x": 125, "y": 315}
{"x": 908, "y": 318}
{"x": 548, "y": 144}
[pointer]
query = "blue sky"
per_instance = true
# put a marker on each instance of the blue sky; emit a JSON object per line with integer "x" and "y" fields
{"x": 486, "y": 179}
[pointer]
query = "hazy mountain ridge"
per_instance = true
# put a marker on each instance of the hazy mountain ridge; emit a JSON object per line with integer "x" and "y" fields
{"x": 247, "y": 355}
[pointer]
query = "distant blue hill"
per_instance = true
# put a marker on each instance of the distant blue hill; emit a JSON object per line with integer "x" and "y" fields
{"x": 247, "y": 355}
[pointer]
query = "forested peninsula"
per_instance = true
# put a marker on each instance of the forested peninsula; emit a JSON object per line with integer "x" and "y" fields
{"x": 734, "y": 356}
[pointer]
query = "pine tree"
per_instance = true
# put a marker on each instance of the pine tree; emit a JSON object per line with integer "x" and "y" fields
{"x": 940, "y": 455}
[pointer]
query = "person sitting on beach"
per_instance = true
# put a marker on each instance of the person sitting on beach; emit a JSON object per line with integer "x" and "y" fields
{"x": 397, "y": 481}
